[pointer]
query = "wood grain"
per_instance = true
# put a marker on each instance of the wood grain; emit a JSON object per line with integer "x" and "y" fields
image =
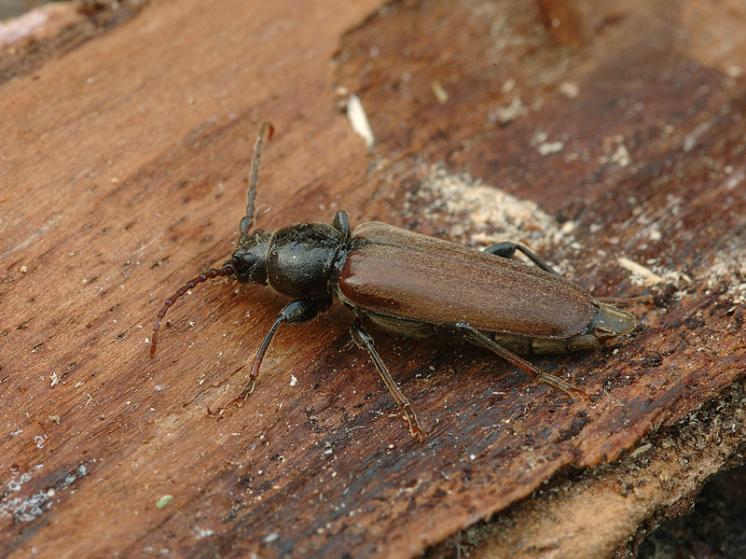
{"x": 121, "y": 175}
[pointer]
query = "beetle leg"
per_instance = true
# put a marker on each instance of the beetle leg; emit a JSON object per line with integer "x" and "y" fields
{"x": 341, "y": 222}
{"x": 365, "y": 341}
{"x": 297, "y": 311}
{"x": 477, "y": 338}
{"x": 507, "y": 249}
{"x": 648, "y": 299}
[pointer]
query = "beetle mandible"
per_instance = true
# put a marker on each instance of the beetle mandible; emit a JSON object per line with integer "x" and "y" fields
{"x": 414, "y": 285}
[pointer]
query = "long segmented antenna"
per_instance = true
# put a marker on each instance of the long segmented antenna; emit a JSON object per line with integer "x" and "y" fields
{"x": 256, "y": 162}
{"x": 226, "y": 270}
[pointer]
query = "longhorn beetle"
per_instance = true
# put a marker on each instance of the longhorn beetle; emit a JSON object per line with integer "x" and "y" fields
{"x": 416, "y": 286}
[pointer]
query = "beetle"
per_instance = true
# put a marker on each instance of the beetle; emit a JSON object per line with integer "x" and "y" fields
{"x": 414, "y": 285}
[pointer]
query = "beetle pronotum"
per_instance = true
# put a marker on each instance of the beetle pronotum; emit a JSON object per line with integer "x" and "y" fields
{"x": 414, "y": 285}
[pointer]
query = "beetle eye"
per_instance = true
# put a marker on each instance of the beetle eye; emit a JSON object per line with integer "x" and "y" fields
{"x": 244, "y": 260}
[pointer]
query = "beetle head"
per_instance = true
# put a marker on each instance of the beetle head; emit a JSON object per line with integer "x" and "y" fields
{"x": 249, "y": 260}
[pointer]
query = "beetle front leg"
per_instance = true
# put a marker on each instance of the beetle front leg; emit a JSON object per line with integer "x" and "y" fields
{"x": 365, "y": 341}
{"x": 477, "y": 338}
{"x": 507, "y": 249}
{"x": 297, "y": 311}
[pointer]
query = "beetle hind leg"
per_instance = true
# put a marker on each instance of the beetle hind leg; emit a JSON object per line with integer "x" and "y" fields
{"x": 477, "y": 338}
{"x": 507, "y": 249}
{"x": 625, "y": 301}
{"x": 364, "y": 341}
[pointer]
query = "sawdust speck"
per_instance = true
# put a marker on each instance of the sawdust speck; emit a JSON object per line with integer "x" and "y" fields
{"x": 477, "y": 214}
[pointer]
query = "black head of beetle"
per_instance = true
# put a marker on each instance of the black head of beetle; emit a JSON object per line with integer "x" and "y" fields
{"x": 249, "y": 260}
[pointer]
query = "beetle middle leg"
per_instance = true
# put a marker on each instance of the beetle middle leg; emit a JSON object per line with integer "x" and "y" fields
{"x": 364, "y": 341}
{"x": 507, "y": 249}
{"x": 477, "y": 338}
{"x": 297, "y": 311}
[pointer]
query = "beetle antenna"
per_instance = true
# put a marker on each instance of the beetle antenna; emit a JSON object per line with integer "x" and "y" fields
{"x": 226, "y": 270}
{"x": 256, "y": 162}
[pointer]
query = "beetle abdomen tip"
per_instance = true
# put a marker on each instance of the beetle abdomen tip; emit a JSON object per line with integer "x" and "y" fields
{"x": 611, "y": 321}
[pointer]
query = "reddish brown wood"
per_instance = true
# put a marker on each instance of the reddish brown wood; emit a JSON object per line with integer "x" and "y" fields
{"x": 53, "y": 29}
{"x": 121, "y": 172}
{"x": 607, "y": 512}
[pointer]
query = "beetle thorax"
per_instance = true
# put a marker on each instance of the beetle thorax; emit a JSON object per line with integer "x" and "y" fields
{"x": 301, "y": 260}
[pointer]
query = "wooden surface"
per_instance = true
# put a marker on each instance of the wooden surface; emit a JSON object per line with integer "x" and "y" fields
{"x": 121, "y": 173}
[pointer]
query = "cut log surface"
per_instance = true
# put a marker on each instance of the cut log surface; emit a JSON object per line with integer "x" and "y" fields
{"x": 610, "y": 137}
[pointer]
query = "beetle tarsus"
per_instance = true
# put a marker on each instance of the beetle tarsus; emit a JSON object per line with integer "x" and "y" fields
{"x": 364, "y": 341}
{"x": 506, "y": 249}
{"x": 414, "y": 426}
{"x": 560, "y": 384}
{"x": 247, "y": 391}
{"x": 479, "y": 339}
